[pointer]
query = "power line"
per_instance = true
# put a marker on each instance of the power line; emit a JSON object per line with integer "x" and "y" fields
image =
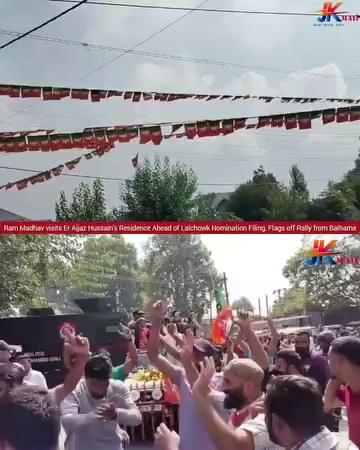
{"x": 88, "y": 45}
{"x": 126, "y": 51}
{"x": 124, "y": 179}
{"x": 7, "y": 44}
{"x": 108, "y": 63}
{"x": 182, "y": 8}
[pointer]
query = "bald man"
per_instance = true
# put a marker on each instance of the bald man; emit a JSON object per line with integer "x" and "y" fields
{"x": 243, "y": 389}
{"x": 242, "y": 385}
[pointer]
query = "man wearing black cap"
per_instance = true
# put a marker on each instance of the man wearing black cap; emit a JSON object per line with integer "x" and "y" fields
{"x": 192, "y": 432}
{"x": 344, "y": 384}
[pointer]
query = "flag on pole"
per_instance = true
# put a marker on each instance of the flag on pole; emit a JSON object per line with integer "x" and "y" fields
{"x": 219, "y": 325}
{"x": 135, "y": 161}
{"x": 219, "y": 333}
{"x": 221, "y": 302}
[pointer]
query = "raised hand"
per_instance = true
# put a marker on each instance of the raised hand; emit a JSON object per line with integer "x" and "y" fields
{"x": 159, "y": 310}
{"x": 244, "y": 321}
{"x": 166, "y": 439}
{"x": 75, "y": 347}
{"x": 187, "y": 351}
{"x": 207, "y": 372}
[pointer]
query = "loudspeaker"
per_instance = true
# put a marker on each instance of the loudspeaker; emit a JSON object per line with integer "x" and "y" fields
{"x": 96, "y": 305}
{"x": 41, "y": 312}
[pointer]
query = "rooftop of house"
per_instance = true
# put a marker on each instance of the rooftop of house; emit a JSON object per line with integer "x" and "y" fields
{"x": 220, "y": 197}
{"x": 8, "y": 216}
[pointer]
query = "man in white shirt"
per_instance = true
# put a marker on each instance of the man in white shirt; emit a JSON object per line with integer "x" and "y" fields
{"x": 32, "y": 377}
{"x": 93, "y": 414}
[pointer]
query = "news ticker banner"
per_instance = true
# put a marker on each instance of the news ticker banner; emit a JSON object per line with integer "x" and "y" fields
{"x": 83, "y": 228}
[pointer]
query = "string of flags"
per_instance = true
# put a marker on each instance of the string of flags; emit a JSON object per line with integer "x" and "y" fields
{"x": 47, "y": 93}
{"x": 47, "y": 175}
{"x": 94, "y": 138}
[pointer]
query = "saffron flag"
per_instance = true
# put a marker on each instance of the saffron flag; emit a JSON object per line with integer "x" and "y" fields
{"x": 219, "y": 326}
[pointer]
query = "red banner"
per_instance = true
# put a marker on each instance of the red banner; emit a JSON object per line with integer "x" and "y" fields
{"x": 179, "y": 228}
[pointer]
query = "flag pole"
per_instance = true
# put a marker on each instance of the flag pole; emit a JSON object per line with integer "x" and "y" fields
{"x": 225, "y": 287}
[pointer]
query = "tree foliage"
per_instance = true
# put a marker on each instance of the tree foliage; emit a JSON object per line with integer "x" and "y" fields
{"x": 294, "y": 301}
{"x": 108, "y": 267}
{"x": 243, "y": 304}
{"x": 326, "y": 287}
{"x": 159, "y": 191}
{"x": 29, "y": 265}
{"x": 179, "y": 269}
{"x": 88, "y": 204}
{"x": 263, "y": 198}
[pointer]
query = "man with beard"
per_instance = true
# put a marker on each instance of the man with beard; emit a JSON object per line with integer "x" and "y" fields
{"x": 93, "y": 413}
{"x": 315, "y": 365}
{"x": 242, "y": 386}
{"x": 287, "y": 362}
{"x": 293, "y": 418}
{"x": 344, "y": 385}
{"x": 192, "y": 433}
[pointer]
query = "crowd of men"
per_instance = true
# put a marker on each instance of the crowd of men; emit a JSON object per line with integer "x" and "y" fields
{"x": 247, "y": 394}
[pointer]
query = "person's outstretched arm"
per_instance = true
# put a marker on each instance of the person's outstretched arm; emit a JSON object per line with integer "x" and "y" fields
{"x": 222, "y": 435}
{"x": 131, "y": 359}
{"x": 153, "y": 346}
{"x": 76, "y": 353}
{"x": 275, "y": 339}
{"x": 258, "y": 353}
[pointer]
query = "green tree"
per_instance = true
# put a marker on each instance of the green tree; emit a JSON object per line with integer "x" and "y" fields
{"x": 298, "y": 185}
{"x": 243, "y": 304}
{"x": 108, "y": 267}
{"x": 294, "y": 301}
{"x": 264, "y": 198}
{"x": 29, "y": 265}
{"x": 88, "y": 204}
{"x": 326, "y": 287}
{"x": 179, "y": 269}
{"x": 252, "y": 200}
{"x": 159, "y": 191}
{"x": 335, "y": 203}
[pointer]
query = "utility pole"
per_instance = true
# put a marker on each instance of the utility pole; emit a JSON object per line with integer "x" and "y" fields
{"x": 224, "y": 280}
{"x": 267, "y": 305}
{"x": 212, "y": 293}
{"x": 259, "y": 303}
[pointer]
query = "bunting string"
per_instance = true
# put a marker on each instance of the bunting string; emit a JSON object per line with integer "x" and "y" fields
{"x": 47, "y": 175}
{"x": 94, "y": 138}
{"x": 97, "y": 95}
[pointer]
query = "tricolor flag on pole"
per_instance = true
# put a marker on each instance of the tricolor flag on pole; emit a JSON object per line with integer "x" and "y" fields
{"x": 219, "y": 326}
